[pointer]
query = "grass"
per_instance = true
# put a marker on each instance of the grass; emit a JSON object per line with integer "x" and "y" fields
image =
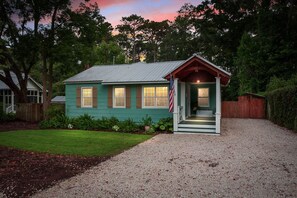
{"x": 71, "y": 142}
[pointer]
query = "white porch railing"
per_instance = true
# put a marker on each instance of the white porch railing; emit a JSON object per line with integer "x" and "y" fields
{"x": 10, "y": 109}
{"x": 180, "y": 115}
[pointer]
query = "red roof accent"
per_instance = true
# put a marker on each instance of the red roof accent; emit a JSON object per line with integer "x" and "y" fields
{"x": 193, "y": 65}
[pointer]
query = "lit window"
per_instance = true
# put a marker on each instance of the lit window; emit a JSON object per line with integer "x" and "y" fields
{"x": 203, "y": 97}
{"x": 155, "y": 97}
{"x": 119, "y": 97}
{"x": 87, "y": 94}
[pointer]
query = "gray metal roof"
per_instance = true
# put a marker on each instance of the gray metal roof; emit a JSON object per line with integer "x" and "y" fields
{"x": 126, "y": 73}
{"x": 31, "y": 85}
{"x": 59, "y": 99}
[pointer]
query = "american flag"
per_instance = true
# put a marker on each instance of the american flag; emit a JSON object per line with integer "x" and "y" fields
{"x": 171, "y": 94}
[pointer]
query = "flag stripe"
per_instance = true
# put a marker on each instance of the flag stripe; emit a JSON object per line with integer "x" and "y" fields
{"x": 171, "y": 94}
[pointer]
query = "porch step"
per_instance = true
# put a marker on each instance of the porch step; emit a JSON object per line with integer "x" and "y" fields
{"x": 196, "y": 126}
{"x": 196, "y": 130}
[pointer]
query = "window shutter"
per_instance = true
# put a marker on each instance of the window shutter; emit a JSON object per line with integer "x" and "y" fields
{"x": 95, "y": 96}
{"x": 138, "y": 97}
{"x": 128, "y": 97}
{"x": 109, "y": 97}
{"x": 78, "y": 97}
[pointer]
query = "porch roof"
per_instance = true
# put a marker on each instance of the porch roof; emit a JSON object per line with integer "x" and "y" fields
{"x": 196, "y": 65}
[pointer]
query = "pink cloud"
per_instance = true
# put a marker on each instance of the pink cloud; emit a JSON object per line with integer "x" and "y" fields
{"x": 108, "y": 3}
{"x": 157, "y": 16}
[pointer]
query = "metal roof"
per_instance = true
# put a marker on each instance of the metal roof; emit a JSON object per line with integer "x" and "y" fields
{"x": 59, "y": 99}
{"x": 126, "y": 73}
{"x": 31, "y": 84}
{"x": 136, "y": 73}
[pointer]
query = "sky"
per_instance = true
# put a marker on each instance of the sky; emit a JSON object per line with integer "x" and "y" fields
{"x": 156, "y": 10}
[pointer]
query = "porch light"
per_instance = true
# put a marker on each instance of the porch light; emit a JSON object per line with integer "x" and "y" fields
{"x": 198, "y": 81}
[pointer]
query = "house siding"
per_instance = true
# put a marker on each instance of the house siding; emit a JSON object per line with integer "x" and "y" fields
{"x": 102, "y": 109}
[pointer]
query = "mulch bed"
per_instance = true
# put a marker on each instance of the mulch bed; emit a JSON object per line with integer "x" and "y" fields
{"x": 23, "y": 173}
{"x": 17, "y": 125}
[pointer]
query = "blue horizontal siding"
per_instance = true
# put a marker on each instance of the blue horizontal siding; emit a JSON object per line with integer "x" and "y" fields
{"x": 102, "y": 109}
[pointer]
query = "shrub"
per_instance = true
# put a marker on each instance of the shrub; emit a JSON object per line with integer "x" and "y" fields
{"x": 283, "y": 107}
{"x": 164, "y": 125}
{"x": 106, "y": 123}
{"x": 4, "y": 117}
{"x": 84, "y": 122}
{"x": 57, "y": 122}
{"x": 128, "y": 126}
{"x": 54, "y": 110}
{"x": 147, "y": 121}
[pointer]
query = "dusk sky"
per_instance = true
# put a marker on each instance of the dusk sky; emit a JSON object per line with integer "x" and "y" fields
{"x": 156, "y": 10}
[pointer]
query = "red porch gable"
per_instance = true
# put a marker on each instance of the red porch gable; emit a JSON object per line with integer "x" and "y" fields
{"x": 199, "y": 69}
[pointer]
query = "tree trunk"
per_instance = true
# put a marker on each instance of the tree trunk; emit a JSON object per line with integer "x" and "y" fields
{"x": 44, "y": 84}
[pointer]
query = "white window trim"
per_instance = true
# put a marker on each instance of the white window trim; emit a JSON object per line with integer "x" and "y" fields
{"x": 154, "y": 107}
{"x": 82, "y": 98}
{"x": 203, "y": 97}
{"x": 113, "y": 97}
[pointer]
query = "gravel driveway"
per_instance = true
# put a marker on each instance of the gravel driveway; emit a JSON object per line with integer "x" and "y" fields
{"x": 252, "y": 158}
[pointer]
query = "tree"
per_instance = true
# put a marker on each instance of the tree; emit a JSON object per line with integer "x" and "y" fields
{"x": 130, "y": 35}
{"x": 20, "y": 43}
{"x": 154, "y": 34}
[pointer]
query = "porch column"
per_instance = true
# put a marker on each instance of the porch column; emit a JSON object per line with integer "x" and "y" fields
{"x": 175, "y": 105}
{"x": 183, "y": 99}
{"x": 218, "y": 105}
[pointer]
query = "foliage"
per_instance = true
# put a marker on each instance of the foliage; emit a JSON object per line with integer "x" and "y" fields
{"x": 164, "y": 125}
{"x": 277, "y": 83}
{"x": 5, "y": 117}
{"x": 71, "y": 142}
{"x": 282, "y": 107}
{"x": 106, "y": 123}
{"x": 60, "y": 121}
{"x": 147, "y": 120}
{"x": 116, "y": 128}
{"x": 128, "y": 125}
{"x": 150, "y": 131}
{"x": 55, "y": 109}
{"x": 84, "y": 122}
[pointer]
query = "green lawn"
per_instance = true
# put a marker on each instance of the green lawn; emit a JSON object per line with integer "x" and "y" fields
{"x": 71, "y": 142}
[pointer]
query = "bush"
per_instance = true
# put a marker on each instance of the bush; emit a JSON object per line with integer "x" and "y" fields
{"x": 128, "y": 126}
{"x": 147, "y": 121}
{"x": 282, "y": 105}
{"x": 106, "y": 123}
{"x": 84, "y": 122}
{"x": 54, "y": 110}
{"x": 164, "y": 125}
{"x": 57, "y": 122}
{"x": 5, "y": 117}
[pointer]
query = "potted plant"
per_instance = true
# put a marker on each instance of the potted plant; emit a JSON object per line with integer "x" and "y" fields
{"x": 147, "y": 122}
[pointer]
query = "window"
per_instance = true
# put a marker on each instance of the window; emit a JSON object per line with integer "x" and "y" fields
{"x": 203, "y": 97}
{"x": 155, "y": 97}
{"x": 119, "y": 99}
{"x": 86, "y": 99}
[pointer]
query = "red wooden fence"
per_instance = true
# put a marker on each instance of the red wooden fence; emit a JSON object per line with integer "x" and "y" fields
{"x": 247, "y": 106}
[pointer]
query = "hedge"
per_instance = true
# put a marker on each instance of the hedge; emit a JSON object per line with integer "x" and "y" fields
{"x": 282, "y": 107}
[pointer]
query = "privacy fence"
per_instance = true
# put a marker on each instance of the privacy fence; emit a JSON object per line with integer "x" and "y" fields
{"x": 247, "y": 106}
{"x": 31, "y": 112}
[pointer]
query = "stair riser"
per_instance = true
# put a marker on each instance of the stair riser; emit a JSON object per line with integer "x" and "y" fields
{"x": 198, "y": 130}
{"x": 196, "y": 126}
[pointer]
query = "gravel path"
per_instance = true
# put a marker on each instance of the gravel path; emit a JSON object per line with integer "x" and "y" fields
{"x": 252, "y": 158}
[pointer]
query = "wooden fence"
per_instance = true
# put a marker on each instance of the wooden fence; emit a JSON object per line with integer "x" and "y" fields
{"x": 31, "y": 112}
{"x": 247, "y": 106}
